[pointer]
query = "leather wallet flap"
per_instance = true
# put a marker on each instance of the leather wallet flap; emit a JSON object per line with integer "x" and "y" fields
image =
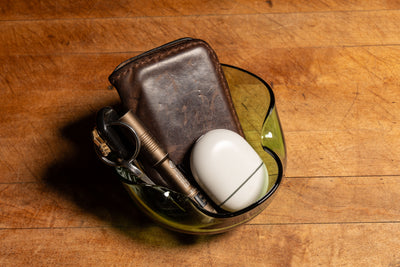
{"x": 179, "y": 91}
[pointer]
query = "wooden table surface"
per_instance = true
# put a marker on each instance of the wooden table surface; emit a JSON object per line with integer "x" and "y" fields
{"x": 334, "y": 66}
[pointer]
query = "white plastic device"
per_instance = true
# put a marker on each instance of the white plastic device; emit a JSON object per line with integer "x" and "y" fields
{"x": 228, "y": 169}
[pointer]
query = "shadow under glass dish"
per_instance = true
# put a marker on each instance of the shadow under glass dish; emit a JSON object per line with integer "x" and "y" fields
{"x": 255, "y": 106}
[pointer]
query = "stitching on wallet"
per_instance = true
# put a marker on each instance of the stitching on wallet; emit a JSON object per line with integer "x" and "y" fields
{"x": 167, "y": 51}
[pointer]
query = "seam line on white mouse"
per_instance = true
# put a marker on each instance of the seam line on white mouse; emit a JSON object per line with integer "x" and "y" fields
{"x": 237, "y": 189}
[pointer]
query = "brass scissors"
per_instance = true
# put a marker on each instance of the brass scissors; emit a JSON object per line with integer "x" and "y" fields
{"x": 117, "y": 144}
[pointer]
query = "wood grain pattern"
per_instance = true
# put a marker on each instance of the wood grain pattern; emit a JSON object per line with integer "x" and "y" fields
{"x": 75, "y": 203}
{"x": 20, "y": 10}
{"x": 252, "y": 31}
{"x": 361, "y": 104}
{"x": 334, "y": 70}
{"x": 275, "y": 245}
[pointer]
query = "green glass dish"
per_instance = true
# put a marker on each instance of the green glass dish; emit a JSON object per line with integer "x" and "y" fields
{"x": 255, "y": 106}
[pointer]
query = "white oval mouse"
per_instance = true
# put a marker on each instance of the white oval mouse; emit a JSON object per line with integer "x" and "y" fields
{"x": 228, "y": 169}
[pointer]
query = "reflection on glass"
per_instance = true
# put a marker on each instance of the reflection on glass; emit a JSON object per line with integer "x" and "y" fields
{"x": 255, "y": 106}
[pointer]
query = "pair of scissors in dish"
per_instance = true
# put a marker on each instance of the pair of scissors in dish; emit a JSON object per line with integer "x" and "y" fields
{"x": 117, "y": 144}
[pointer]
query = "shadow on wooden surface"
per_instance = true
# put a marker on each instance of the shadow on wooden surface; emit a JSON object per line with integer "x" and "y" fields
{"x": 94, "y": 187}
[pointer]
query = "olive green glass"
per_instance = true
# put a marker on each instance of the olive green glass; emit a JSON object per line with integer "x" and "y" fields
{"x": 255, "y": 106}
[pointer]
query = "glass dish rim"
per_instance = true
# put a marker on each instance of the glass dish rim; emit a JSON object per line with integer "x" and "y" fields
{"x": 267, "y": 150}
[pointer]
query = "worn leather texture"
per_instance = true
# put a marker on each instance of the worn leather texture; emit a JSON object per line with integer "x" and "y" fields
{"x": 179, "y": 91}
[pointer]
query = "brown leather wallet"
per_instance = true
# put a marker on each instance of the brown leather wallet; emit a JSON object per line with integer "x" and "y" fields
{"x": 179, "y": 91}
